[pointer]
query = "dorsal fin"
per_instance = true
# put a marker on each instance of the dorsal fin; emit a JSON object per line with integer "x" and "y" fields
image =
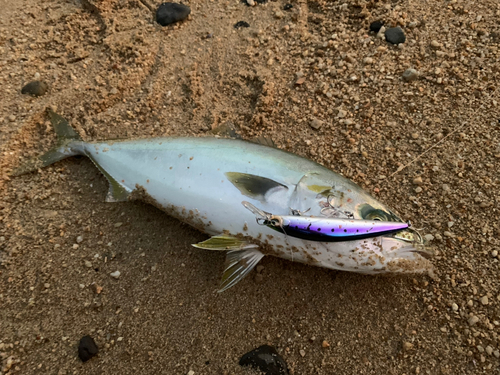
{"x": 227, "y": 129}
{"x": 264, "y": 141}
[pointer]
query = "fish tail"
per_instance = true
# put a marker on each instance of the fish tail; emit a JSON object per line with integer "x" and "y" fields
{"x": 66, "y": 136}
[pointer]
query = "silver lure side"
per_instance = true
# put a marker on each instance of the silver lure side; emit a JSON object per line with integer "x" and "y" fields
{"x": 202, "y": 181}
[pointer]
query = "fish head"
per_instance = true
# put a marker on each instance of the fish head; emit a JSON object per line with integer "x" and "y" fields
{"x": 402, "y": 252}
{"x": 331, "y": 195}
{"x": 321, "y": 194}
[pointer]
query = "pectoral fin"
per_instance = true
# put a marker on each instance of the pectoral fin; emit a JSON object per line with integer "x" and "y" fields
{"x": 238, "y": 265}
{"x": 224, "y": 243}
{"x": 256, "y": 187}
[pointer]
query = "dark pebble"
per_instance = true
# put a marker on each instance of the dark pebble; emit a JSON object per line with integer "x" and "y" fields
{"x": 240, "y": 24}
{"x": 288, "y": 6}
{"x": 266, "y": 359}
{"x": 169, "y": 13}
{"x": 395, "y": 35}
{"x": 35, "y": 88}
{"x": 87, "y": 348}
{"x": 375, "y": 26}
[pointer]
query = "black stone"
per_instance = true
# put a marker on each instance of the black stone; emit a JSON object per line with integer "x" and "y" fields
{"x": 375, "y": 26}
{"x": 395, "y": 35}
{"x": 240, "y": 24}
{"x": 266, "y": 359}
{"x": 35, "y": 88}
{"x": 288, "y": 6}
{"x": 169, "y": 13}
{"x": 87, "y": 348}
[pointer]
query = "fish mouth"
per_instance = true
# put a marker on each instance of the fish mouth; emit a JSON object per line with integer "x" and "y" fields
{"x": 416, "y": 240}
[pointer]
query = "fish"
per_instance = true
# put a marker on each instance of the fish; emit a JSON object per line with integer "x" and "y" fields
{"x": 325, "y": 229}
{"x": 202, "y": 181}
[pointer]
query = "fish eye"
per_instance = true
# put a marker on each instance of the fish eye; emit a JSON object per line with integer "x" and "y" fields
{"x": 368, "y": 212}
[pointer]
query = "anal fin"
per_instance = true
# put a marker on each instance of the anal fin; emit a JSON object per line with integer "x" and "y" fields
{"x": 238, "y": 265}
{"x": 116, "y": 192}
{"x": 224, "y": 243}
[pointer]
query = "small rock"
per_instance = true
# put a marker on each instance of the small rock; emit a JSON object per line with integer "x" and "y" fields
{"x": 316, "y": 124}
{"x": 435, "y": 44}
{"x": 494, "y": 253}
{"x": 381, "y": 35}
{"x": 288, "y": 6}
{"x": 35, "y": 88}
{"x": 375, "y": 26}
{"x": 368, "y": 60}
{"x": 300, "y": 81}
{"x": 325, "y": 344}
{"x": 266, "y": 359}
{"x": 418, "y": 189}
{"x": 88, "y": 264}
{"x": 96, "y": 288}
{"x": 240, "y": 24}
{"x": 489, "y": 350}
{"x": 473, "y": 320}
{"x": 302, "y": 352}
{"x": 115, "y": 274}
{"x": 454, "y": 307}
{"x": 279, "y": 14}
{"x": 259, "y": 278}
{"x": 429, "y": 237}
{"x": 191, "y": 372}
{"x": 12, "y": 118}
{"x": 447, "y": 234}
{"x": 169, "y": 13}
{"x": 407, "y": 346}
{"x": 79, "y": 239}
{"x": 410, "y": 75}
{"x": 251, "y": 3}
{"x": 484, "y": 300}
{"x": 418, "y": 181}
{"x": 395, "y": 35}
{"x": 87, "y": 348}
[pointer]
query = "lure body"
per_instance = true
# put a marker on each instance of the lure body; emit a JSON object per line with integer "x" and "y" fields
{"x": 332, "y": 230}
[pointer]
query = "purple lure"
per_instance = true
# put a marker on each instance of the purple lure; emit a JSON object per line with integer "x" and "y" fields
{"x": 325, "y": 229}
{"x": 332, "y": 230}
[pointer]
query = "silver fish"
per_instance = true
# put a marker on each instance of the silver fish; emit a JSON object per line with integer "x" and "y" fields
{"x": 203, "y": 181}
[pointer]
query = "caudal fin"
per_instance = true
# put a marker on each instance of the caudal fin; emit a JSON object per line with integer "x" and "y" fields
{"x": 65, "y": 136}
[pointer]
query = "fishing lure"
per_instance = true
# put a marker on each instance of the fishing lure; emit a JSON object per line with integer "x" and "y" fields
{"x": 325, "y": 229}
